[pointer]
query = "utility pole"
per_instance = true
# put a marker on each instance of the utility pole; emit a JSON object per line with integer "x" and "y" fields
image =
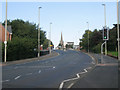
{"x": 118, "y": 29}
{"x": 88, "y": 36}
{"x": 50, "y": 40}
{"x": 5, "y": 42}
{"x": 105, "y": 26}
{"x": 39, "y": 32}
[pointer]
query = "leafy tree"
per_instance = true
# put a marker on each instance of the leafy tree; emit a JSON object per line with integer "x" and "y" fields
{"x": 24, "y": 42}
{"x": 84, "y": 40}
{"x": 112, "y": 42}
{"x": 96, "y": 39}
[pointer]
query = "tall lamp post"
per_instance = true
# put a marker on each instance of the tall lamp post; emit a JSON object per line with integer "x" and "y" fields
{"x": 5, "y": 42}
{"x": 50, "y": 39}
{"x": 88, "y": 36}
{"x": 39, "y": 32}
{"x": 118, "y": 29}
{"x": 105, "y": 26}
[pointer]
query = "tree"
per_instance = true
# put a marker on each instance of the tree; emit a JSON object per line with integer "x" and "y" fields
{"x": 96, "y": 40}
{"x": 112, "y": 42}
{"x": 24, "y": 42}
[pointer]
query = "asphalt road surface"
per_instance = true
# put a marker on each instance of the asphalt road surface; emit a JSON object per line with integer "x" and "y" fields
{"x": 104, "y": 75}
{"x": 47, "y": 73}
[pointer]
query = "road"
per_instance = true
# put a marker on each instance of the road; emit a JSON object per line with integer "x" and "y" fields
{"x": 104, "y": 75}
{"x": 49, "y": 73}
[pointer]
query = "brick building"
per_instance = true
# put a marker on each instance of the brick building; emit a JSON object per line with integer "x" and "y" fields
{"x": 2, "y": 33}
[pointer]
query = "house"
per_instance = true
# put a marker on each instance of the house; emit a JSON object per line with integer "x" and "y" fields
{"x": 2, "y": 33}
{"x": 69, "y": 45}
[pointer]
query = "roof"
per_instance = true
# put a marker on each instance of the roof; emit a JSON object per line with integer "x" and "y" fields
{"x": 70, "y": 42}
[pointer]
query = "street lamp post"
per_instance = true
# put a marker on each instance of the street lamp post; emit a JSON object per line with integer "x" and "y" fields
{"x": 88, "y": 36}
{"x": 105, "y": 26}
{"x": 39, "y": 32}
{"x": 5, "y": 42}
{"x": 118, "y": 29}
{"x": 50, "y": 39}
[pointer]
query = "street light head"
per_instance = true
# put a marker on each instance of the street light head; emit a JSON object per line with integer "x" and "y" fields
{"x": 50, "y": 22}
{"x": 103, "y": 4}
{"x": 40, "y": 7}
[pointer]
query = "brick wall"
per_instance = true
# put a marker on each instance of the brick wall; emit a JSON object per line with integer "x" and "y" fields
{"x": 2, "y": 34}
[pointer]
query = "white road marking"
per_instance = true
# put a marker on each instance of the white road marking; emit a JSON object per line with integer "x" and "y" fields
{"x": 54, "y": 67}
{"x": 89, "y": 67}
{"x": 39, "y": 71}
{"x": 78, "y": 76}
{"x": 61, "y": 86}
{"x": 70, "y": 79}
{"x": 85, "y": 70}
{"x": 70, "y": 85}
{"x": 82, "y": 72}
{"x": 5, "y": 81}
{"x": 17, "y": 77}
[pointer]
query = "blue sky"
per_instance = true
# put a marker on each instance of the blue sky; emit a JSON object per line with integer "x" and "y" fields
{"x": 67, "y": 17}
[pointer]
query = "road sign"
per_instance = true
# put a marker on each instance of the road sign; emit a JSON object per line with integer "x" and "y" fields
{"x": 51, "y": 45}
{"x": 105, "y": 33}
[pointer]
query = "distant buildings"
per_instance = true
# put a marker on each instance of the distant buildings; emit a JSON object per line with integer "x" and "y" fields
{"x": 2, "y": 33}
{"x": 69, "y": 45}
{"x": 76, "y": 47}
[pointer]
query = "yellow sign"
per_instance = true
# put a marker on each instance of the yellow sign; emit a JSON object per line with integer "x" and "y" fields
{"x": 51, "y": 45}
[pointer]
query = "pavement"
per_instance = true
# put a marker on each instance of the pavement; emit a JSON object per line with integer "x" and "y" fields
{"x": 56, "y": 72}
{"x": 53, "y": 54}
{"x": 104, "y": 75}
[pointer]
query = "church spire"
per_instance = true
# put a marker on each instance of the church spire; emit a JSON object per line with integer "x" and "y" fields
{"x": 61, "y": 41}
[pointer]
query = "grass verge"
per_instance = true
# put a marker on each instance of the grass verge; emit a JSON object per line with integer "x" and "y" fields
{"x": 113, "y": 53}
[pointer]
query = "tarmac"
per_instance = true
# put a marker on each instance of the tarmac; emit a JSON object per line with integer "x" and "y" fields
{"x": 104, "y": 75}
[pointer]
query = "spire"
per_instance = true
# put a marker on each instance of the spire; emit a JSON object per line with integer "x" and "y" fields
{"x": 61, "y": 41}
